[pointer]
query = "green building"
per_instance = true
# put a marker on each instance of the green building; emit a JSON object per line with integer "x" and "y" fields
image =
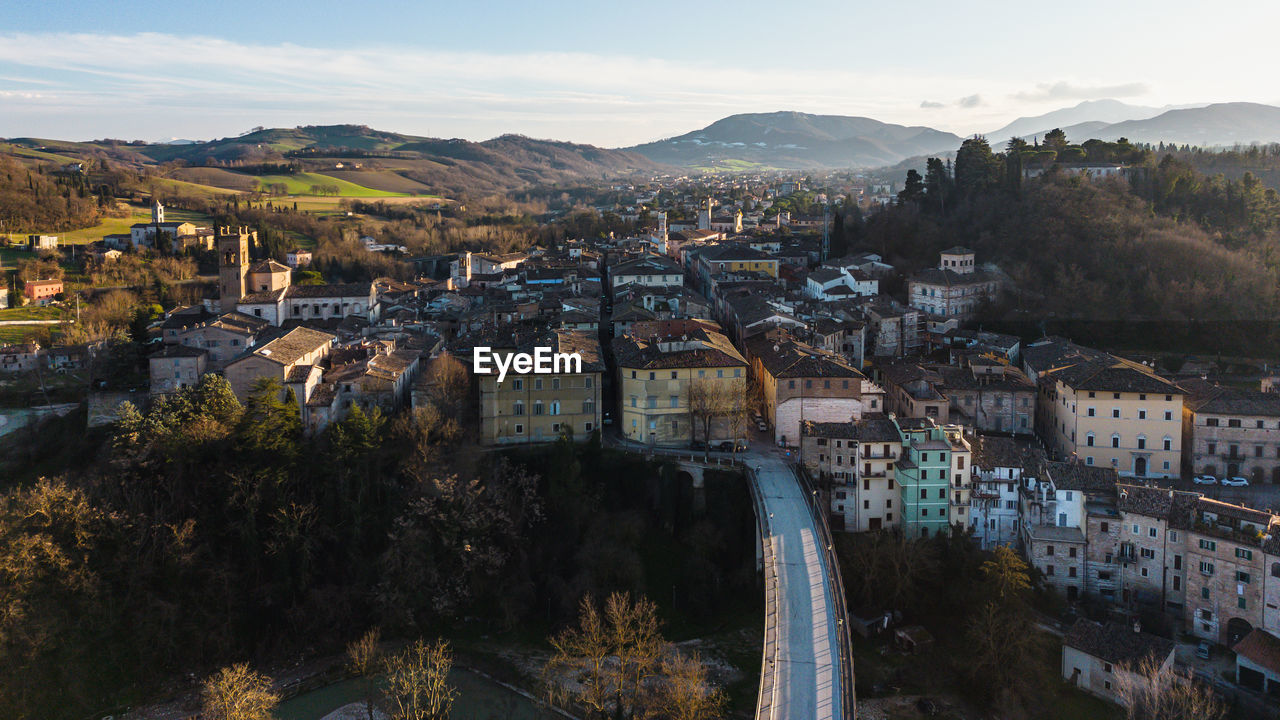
{"x": 933, "y": 476}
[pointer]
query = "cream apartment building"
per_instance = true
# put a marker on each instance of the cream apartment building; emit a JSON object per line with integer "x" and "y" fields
{"x": 858, "y": 458}
{"x": 1112, "y": 413}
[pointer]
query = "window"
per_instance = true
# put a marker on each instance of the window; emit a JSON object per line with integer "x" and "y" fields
{"x": 588, "y": 383}
{"x": 537, "y": 384}
{"x": 1091, "y": 412}
{"x": 924, "y": 494}
{"x": 1104, "y": 527}
{"x": 1206, "y": 568}
{"x": 924, "y": 512}
{"x": 1152, "y": 532}
{"x": 519, "y": 429}
{"x": 517, "y": 408}
{"x": 1173, "y": 536}
{"x": 1209, "y": 545}
{"x": 1115, "y": 396}
{"x": 1071, "y": 571}
{"x": 1168, "y": 444}
{"x": 1148, "y": 554}
{"x": 1211, "y": 422}
{"x": 587, "y": 427}
{"x": 673, "y": 374}
{"x": 1244, "y": 554}
{"x": 675, "y": 401}
{"x": 1071, "y": 552}
{"x": 537, "y": 408}
{"x": 1048, "y": 570}
{"x": 1204, "y": 593}
{"x": 1240, "y": 603}
{"x": 1177, "y": 582}
{"x": 1115, "y": 441}
{"x": 1115, "y": 412}
{"x": 1142, "y": 442}
{"x": 555, "y": 407}
{"x": 1144, "y": 572}
{"x": 1242, "y": 577}
{"x": 1234, "y": 422}
{"x": 555, "y": 383}
{"x": 518, "y": 383}
{"x": 1048, "y": 550}
{"x": 1168, "y": 414}
{"x": 1142, "y": 414}
{"x": 633, "y": 401}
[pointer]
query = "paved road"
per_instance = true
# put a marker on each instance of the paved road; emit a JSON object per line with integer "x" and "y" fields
{"x": 806, "y": 676}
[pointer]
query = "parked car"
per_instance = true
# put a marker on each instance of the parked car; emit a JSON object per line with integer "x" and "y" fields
{"x": 1236, "y": 481}
{"x": 697, "y": 445}
{"x": 1205, "y": 480}
{"x": 761, "y": 426}
{"x": 1203, "y": 650}
{"x": 608, "y": 419}
{"x": 729, "y": 445}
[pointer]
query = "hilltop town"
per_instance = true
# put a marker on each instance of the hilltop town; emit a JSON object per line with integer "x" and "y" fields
{"x": 746, "y": 325}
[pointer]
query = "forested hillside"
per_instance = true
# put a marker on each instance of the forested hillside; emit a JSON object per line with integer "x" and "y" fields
{"x": 1171, "y": 258}
{"x": 33, "y": 199}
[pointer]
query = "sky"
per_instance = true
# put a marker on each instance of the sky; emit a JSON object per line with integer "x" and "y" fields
{"x": 606, "y": 73}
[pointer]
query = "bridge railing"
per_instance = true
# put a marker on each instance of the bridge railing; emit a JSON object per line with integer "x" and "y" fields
{"x": 769, "y": 652}
{"x": 814, "y": 499}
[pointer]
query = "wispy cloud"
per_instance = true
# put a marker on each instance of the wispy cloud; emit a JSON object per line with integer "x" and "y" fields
{"x": 931, "y": 105}
{"x": 970, "y": 101}
{"x": 1067, "y": 91}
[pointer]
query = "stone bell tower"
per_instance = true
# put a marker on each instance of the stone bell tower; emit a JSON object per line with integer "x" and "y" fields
{"x": 233, "y": 264}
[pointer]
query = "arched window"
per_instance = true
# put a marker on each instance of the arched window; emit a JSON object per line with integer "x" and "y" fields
{"x": 1088, "y": 439}
{"x": 1142, "y": 442}
{"x": 1115, "y": 440}
{"x": 518, "y": 408}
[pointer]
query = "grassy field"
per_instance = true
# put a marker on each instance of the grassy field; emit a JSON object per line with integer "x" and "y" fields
{"x": 32, "y": 312}
{"x": 14, "y": 334}
{"x": 36, "y": 154}
{"x": 300, "y": 184}
{"x": 380, "y": 180}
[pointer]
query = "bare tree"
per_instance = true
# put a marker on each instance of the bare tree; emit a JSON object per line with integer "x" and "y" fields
{"x": 418, "y": 682}
{"x": 238, "y": 693}
{"x": 364, "y": 660}
{"x": 687, "y": 693}
{"x": 448, "y": 385}
{"x": 1151, "y": 690}
{"x": 614, "y": 655}
{"x": 716, "y": 399}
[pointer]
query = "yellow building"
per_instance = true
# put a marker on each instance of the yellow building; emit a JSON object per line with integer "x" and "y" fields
{"x": 531, "y": 408}
{"x": 1111, "y": 412}
{"x": 735, "y": 258}
{"x": 659, "y": 365}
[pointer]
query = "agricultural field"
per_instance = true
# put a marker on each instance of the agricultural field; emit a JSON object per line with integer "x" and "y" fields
{"x": 381, "y": 180}
{"x": 32, "y": 312}
{"x": 214, "y": 178}
{"x": 301, "y": 183}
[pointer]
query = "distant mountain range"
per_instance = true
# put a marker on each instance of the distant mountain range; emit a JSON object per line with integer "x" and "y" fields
{"x": 800, "y": 141}
{"x": 777, "y": 140}
{"x": 795, "y": 140}
{"x": 1099, "y": 113}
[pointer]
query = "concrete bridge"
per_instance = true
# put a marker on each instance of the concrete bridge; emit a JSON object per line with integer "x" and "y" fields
{"x": 806, "y": 670}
